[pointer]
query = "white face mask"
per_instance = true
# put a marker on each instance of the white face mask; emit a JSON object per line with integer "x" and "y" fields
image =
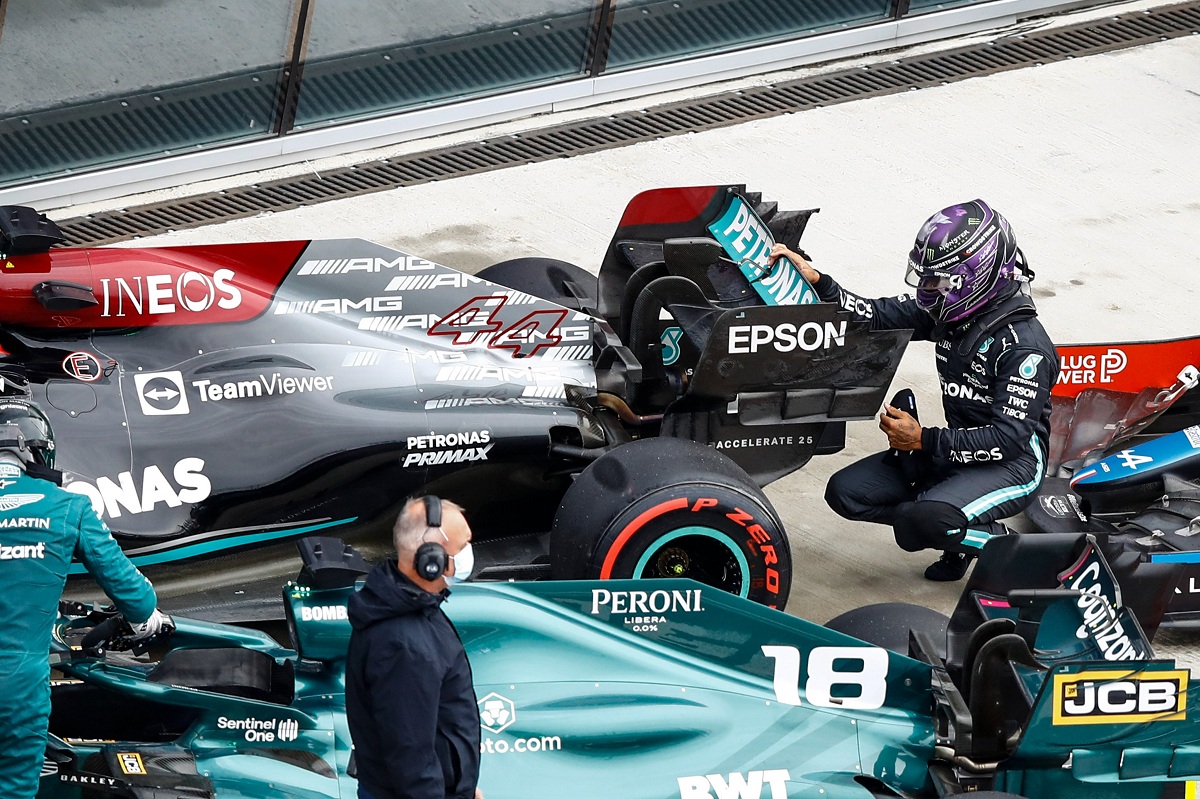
{"x": 464, "y": 563}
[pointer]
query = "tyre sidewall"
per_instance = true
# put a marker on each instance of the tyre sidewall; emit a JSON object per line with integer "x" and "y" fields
{"x": 887, "y": 624}
{"x": 542, "y": 277}
{"x": 750, "y": 529}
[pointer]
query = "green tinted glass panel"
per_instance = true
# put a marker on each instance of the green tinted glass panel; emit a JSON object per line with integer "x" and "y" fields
{"x": 921, "y": 6}
{"x": 86, "y": 84}
{"x": 427, "y": 51}
{"x": 656, "y": 30}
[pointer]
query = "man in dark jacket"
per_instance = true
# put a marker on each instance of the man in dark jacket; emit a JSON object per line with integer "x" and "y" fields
{"x": 996, "y": 365}
{"x": 410, "y": 701}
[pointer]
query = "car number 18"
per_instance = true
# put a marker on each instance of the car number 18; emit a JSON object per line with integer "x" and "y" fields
{"x": 871, "y": 678}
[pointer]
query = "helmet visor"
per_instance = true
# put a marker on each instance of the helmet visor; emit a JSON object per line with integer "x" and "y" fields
{"x": 23, "y": 423}
{"x": 931, "y": 282}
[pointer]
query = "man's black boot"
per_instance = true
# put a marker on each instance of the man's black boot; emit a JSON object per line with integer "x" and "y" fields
{"x": 949, "y": 567}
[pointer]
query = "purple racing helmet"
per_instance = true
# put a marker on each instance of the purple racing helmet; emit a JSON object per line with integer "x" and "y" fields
{"x": 964, "y": 256}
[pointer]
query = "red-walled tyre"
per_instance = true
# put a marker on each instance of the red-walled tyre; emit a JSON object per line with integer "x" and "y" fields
{"x": 667, "y": 507}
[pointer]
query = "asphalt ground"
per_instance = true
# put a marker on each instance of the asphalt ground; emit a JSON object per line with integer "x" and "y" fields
{"x": 1093, "y": 161}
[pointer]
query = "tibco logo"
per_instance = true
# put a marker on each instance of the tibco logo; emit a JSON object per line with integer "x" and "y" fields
{"x": 786, "y": 337}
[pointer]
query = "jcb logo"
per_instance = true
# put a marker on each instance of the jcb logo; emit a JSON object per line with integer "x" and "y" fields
{"x": 735, "y": 785}
{"x": 131, "y": 763}
{"x": 1120, "y": 697}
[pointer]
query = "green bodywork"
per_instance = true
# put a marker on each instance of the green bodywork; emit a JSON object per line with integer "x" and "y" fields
{"x": 630, "y": 702}
{"x": 660, "y": 689}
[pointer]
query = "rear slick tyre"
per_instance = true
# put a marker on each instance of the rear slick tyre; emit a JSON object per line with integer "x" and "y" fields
{"x": 668, "y": 507}
{"x": 887, "y": 625}
{"x": 547, "y": 279}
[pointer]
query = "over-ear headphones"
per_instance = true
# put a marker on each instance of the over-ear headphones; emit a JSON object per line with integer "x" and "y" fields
{"x": 431, "y": 559}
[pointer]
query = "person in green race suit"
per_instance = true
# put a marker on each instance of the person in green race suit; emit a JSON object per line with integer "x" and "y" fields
{"x": 42, "y": 527}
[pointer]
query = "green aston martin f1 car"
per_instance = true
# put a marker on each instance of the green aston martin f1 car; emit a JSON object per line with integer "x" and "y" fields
{"x": 1042, "y": 684}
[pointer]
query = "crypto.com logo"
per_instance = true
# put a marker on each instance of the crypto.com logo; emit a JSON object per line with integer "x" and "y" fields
{"x": 496, "y": 713}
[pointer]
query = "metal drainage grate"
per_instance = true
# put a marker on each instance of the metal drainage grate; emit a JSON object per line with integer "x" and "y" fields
{"x": 689, "y": 116}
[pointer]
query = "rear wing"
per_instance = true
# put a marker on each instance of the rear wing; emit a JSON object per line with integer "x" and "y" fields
{"x": 654, "y": 216}
{"x": 1116, "y": 723}
{"x": 1123, "y": 367}
{"x": 1108, "y": 393}
{"x": 1111, "y": 601}
{"x": 775, "y": 385}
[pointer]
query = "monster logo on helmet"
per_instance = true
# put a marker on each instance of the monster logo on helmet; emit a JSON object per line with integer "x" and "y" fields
{"x": 964, "y": 257}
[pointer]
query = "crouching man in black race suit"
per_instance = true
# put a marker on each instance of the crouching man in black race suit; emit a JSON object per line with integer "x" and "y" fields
{"x": 996, "y": 366}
